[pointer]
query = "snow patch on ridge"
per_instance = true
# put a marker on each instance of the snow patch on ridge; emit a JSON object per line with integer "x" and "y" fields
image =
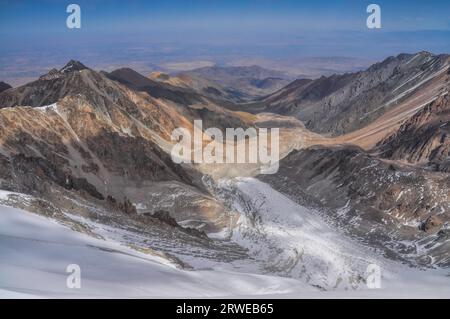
{"x": 51, "y": 107}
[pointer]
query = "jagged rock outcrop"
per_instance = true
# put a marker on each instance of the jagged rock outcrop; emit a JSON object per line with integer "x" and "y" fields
{"x": 164, "y": 217}
{"x": 125, "y": 206}
{"x": 424, "y": 138}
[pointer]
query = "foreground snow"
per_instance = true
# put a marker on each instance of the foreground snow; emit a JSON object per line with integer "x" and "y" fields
{"x": 35, "y": 251}
{"x": 292, "y": 240}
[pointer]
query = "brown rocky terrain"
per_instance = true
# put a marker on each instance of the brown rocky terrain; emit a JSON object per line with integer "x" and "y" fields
{"x": 81, "y": 131}
{"x": 98, "y": 145}
{"x": 424, "y": 138}
{"x": 394, "y": 207}
{"x": 186, "y": 101}
{"x": 386, "y": 182}
{"x": 201, "y": 85}
{"x": 238, "y": 83}
{"x": 340, "y": 104}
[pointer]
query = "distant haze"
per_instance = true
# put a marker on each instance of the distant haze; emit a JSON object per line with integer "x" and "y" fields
{"x": 303, "y": 38}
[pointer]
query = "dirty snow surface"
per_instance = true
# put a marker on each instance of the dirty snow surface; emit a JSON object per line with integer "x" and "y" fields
{"x": 293, "y": 254}
{"x": 35, "y": 252}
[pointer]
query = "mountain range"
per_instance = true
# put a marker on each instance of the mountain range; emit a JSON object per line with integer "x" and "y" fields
{"x": 243, "y": 82}
{"x": 363, "y": 178}
{"x": 343, "y": 103}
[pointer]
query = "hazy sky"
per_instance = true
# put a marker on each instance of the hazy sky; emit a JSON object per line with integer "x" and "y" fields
{"x": 19, "y": 17}
{"x": 171, "y": 30}
{"x": 213, "y": 21}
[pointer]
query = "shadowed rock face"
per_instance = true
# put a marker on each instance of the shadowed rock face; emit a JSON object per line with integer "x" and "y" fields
{"x": 136, "y": 81}
{"x": 84, "y": 150}
{"x": 4, "y": 86}
{"x": 97, "y": 117}
{"x": 424, "y": 138}
{"x": 95, "y": 137}
{"x": 72, "y": 66}
{"x": 164, "y": 217}
{"x": 379, "y": 202}
{"x": 343, "y": 103}
{"x": 188, "y": 102}
{"x": 32, "y": 175}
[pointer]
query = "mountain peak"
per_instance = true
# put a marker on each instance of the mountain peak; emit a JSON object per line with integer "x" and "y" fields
{"x": 73, "y": 65}
{"x": 425, "y": 53}
{"x": 4, "y": 86}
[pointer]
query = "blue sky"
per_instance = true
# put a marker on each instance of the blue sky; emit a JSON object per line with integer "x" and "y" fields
{"x": 213, "y": 20}
{"x": 155, "y": 30}
{"x": 222, "y": 15}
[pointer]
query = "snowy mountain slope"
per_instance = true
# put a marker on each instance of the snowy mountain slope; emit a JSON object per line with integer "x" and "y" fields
{"x": 294, "y": 241}
{"x": 35, "y": 251}
{"x": 97, "y": 162}
{"x": 400, "y": 209}
{"x": 291, "y": 240}
{"x": 143, "y": 233}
